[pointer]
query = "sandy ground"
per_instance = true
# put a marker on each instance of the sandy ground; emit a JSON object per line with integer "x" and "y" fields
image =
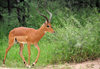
{"x": 95, "y": 64}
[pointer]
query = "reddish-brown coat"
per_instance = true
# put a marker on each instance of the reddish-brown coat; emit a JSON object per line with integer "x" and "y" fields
{"x": 29, "y": 36}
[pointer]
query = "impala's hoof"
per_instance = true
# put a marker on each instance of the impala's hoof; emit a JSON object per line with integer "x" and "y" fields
{"x": 28, "y": 66}
{"x": 33, "y": 64}
{"x": 3, "y": 65}
{"x": 3, "y": 61}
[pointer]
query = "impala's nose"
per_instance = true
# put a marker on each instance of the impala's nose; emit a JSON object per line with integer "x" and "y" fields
{"x": 53, "y": 31}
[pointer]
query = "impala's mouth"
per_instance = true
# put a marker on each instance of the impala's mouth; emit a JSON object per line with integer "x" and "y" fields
{"x": 53, "y": 32}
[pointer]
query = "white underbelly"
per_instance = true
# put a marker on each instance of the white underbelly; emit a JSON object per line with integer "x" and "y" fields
{"x": 23, "y": 42}
{"x": 21, "y": 39}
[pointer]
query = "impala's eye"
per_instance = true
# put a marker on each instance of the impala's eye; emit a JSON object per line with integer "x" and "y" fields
{"x": 47, "y": 25}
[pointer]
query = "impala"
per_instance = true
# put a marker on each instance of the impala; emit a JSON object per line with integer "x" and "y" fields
{"x": 30, "y": 36}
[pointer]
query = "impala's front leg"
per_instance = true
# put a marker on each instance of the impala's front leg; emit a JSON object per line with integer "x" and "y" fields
{"x": 36, "y": 45}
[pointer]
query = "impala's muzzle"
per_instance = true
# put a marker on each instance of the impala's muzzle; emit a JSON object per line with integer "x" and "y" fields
{"x": 53, "y": 31}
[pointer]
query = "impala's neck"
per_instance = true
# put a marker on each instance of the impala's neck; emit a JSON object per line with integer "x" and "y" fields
{"x": 41, "y": 31}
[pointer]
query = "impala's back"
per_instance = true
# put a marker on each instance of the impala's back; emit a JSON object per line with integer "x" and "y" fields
{"x": 21, "y": 34}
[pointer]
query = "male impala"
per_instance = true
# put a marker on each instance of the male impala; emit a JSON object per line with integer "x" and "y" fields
{"x": 30, "y": 36}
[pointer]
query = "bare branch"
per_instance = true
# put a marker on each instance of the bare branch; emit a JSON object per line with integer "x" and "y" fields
{"x": 41, "y": 13}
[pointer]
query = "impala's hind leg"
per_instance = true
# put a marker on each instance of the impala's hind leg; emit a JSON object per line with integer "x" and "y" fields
{"x": 21, "y": 54}
{"x": 11, "y": 42}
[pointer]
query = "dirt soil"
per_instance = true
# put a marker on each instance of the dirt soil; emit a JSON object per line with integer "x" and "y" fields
{"x": 95, "y": 64}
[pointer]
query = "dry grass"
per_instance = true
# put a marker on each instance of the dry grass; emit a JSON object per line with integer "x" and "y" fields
{"x": 94, "y": 64}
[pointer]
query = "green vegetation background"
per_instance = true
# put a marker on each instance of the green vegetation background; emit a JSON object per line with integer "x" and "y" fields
{"x": 77, "y": 36}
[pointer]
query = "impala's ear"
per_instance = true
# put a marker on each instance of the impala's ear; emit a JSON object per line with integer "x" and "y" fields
{"x": 46, "y": 22}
